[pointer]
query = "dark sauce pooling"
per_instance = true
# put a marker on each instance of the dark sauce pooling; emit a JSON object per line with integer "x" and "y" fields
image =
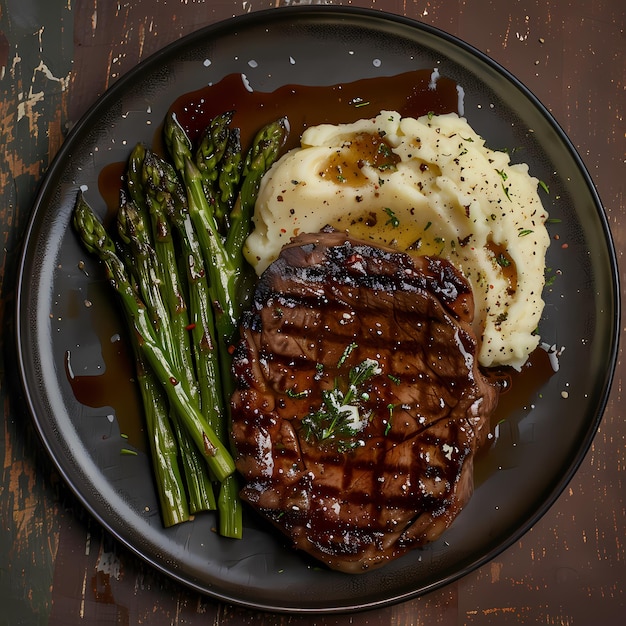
{"x": 115, "y": 385}
{"x": 412, "y": 94}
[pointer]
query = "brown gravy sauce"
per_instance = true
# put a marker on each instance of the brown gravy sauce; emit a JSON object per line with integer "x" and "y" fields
{"x": 411, "y": 94}
{"x": 115, "y": 386}
{"x": 345, "y": 166}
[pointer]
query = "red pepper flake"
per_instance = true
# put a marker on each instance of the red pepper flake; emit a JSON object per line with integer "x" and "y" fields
{"x": 231, "y": 349}
{"x": 565, "y": 246}
{"x": 190, "y": 326}
{"x": 282, "y": 230}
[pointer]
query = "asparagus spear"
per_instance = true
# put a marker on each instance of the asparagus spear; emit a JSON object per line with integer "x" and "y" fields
{"x": 157, "y": 197}
{"x": 259, "y": 158}
{"x": 211, "y": 148}
{"x": 228, "y": 178}
{"x": 224, "y": 260}
{"x": 201, "y": 318}
{"x": 197, "y": 474}
{"x": 177, "y": 142}
{"x": 97, "y": 241}
{"x": 164, "y": 193}
{"x": 222, "y": 274}
{"x": 212, "y": 390}
{"x": 227, "y": 260}
{"x": 133, "y": 231}
{"x": 168, "y": 298}
{"x": 211, "y": 185}
{"x": 221, "y": 270}
{"x": 163, "y": 446}
{"x": 134, "y": 179}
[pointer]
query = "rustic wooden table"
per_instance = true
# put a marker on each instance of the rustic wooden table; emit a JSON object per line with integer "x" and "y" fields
{"x": 57, "y": 565}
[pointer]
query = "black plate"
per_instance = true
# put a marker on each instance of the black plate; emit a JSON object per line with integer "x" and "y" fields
{"x": 539, "y": 446}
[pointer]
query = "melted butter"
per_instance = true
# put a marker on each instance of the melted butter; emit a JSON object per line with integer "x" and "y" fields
{"x": 378, "y": 227}
{"x": 345, "y": 166}
{"x": 401, "y": 228}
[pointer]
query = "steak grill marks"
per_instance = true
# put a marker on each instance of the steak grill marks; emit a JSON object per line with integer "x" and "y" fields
{"x": 400, "y": 470}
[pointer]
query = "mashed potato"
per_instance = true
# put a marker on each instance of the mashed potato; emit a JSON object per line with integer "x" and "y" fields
{"x": 427, "y": 186}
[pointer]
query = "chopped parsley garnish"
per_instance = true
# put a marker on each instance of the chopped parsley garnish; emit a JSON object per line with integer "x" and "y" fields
{"x": 502, "y": 260}
{"x": 385, "y": 151}
{"x": 346, "y": 353}
{"x": 550, "y": 276}
{"x": 297, "y": 395}
{"x": 388, "y": 426}
{"x": 393, "y": 219}
{"x": 503, "y": 175}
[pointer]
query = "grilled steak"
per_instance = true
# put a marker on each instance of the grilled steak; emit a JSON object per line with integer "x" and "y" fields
{"x": 359, "y": 402}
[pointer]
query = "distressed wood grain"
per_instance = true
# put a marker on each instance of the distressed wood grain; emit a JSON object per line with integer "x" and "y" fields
{"x": 32, "y": 113}
{"x": 57, "y": 565}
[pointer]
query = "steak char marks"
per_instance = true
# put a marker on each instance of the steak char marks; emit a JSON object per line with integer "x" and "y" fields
{"x": 396, "y": 466}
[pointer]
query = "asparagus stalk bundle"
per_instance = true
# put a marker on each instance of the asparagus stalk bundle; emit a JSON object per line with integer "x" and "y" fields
{"x": 176, "y": 262}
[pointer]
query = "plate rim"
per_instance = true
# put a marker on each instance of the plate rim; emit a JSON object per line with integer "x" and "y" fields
{"x": 272, "y": 15}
